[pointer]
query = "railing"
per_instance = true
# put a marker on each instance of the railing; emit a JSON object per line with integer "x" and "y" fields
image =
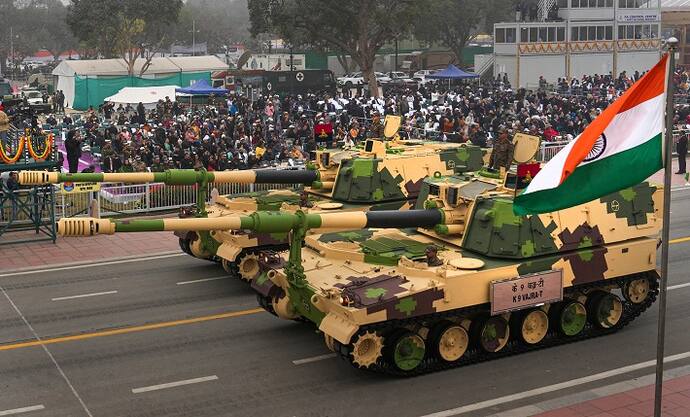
{"x": 143, "y": 198}
{"x": 549, "y": 149}
{"x": 486, "y": 65}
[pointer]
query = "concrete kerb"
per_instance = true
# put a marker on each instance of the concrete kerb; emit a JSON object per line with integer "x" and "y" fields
{"x": 88, "y": 262}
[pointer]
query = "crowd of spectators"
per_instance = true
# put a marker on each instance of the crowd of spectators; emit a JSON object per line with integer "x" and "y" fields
{"x": 236, "y": 133}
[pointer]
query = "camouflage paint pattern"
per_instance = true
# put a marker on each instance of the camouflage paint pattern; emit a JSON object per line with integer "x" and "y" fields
{"x": 362, "y": 181}
{"x": 368, "y": 276}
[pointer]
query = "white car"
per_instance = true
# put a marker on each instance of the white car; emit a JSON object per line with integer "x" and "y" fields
{"x": 357, "y": 79}
{"x": 422, "y": 80}
{"x": 399, "y": 76}
{"x": 33, "y": 97}
{"x": 423, "y": 73}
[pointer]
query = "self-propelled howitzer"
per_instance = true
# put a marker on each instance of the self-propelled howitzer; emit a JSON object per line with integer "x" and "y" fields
{"x": 379, "y": 176}
{"x": 473, "y": 282}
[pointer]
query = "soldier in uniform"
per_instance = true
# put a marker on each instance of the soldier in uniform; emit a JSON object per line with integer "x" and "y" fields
{"x": 432, "y": 258}
{"x": 304, "y": 200}
{"x": 376, "y": 128}
{"x": 502, "y": 154}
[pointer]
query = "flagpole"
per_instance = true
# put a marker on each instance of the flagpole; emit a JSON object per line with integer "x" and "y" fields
{"x": 672, "y": 44}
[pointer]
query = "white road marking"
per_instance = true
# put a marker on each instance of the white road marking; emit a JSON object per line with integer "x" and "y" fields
{"x": 679, "y": 286}
{"x": 555, "y": 387}
{"x": 314, "y": 359}
{"x": 21, "y": 410}
{"x": 174, "y": 384}
{"x": 47, "y": 351}
{"x": 93, "y": 294}
{"x": 201, "y": 280}
{"x": 91, "y": 265}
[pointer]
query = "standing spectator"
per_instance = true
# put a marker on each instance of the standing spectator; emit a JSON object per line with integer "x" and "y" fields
{"x": 4, "y": 127}
{"x": 682, "y": 149}
{"x": 73, "y": 148}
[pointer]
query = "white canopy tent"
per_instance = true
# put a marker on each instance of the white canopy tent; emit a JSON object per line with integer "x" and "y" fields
{"x": 149, "y": 96}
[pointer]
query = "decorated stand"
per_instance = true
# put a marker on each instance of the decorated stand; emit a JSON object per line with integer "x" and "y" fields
{"x": 26, "y": 208}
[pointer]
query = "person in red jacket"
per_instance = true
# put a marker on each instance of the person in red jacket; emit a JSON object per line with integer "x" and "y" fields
{"x": 550, "y": 133}
{"x": 323, "y": 132}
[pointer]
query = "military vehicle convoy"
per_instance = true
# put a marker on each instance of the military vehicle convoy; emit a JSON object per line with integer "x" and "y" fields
{"x": 382, "y": 175}
{"x": 458, "y": 280}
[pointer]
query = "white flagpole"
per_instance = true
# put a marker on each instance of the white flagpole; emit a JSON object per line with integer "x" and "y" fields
{"x": 672, "y": 44}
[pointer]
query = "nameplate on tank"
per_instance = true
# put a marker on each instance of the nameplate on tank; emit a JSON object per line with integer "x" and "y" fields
{"x": 526, "y": 291}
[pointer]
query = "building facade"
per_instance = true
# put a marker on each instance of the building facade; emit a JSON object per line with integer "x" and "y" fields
{"x": 572, "y": 38}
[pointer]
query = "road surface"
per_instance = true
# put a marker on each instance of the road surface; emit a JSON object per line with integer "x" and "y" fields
{"x": 172, "y": 336}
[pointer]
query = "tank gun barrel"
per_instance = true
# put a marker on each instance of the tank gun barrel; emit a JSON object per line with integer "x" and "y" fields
{"x": 262, "y": 222}
{"x": 176, "y": 177}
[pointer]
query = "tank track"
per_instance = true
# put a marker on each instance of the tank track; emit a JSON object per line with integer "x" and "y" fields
{"x": 476, "y": 355}
{"x": 266, "y": 304}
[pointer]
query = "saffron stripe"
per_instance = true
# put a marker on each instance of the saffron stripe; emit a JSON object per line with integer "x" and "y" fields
{"x": 651, "y": 85}
{"x": 597, "y": 179}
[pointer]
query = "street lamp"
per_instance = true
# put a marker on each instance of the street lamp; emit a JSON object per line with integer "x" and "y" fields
{"x": 227, "y": 55}
{"x": 396, "y": 52}
{"x": 12, "y": 57}
{"x": 194, "y": 32}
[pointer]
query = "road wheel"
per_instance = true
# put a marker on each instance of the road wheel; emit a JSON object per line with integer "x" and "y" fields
{"x": 449, "y": 341}
{"x": 184, "y": 245}
{"x": 367, "y": 349}
{"x": 405, "y": 350}
{"x": 230, "y": 268}
{"x": 605, "y": 309}
{"x": 569, "y": 317}
{"x": 248, "y": 266}
{"x": 284, "y": 308}
{"x": 491, "y": 333}
{"x": 533, "y": 326}
{"x": 636, "y": 291}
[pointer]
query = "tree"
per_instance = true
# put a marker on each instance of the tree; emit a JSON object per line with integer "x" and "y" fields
{"x": 95, "y": 23}
{"x": 218, "y": 23}
{"x": 49, "y": 23}
{"x": 124, "y": 28}
{"x": 452, "y": 23}
{"x": 30, "y": 25}
{"x": 358, "y": 28}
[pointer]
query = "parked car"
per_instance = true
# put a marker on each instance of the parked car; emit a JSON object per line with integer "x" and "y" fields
{"x": 33, "y": 97}
{"x": 356, "y": 79}
{"x": 399, "y": 78}
{"x": 423, "y": 73}
{"x": 35, "y": 100}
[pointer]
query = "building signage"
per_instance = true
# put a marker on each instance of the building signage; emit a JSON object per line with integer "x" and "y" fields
{"x": 633, "y": 18}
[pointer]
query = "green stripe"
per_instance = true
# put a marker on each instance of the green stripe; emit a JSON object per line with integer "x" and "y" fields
{"x": 596, "y": 180}
{"x": 139, "y": 226}
{"x": 80, "y": 177}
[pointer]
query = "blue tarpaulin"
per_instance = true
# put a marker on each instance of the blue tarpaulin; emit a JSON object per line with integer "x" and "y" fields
{"x": 201, "y": 88}
{"x": 452, "y": 73}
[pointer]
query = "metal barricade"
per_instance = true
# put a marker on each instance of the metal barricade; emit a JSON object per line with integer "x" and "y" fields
{"x": 116, "y": 199}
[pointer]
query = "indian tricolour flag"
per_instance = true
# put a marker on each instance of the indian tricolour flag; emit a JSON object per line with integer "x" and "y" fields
{"x": 620, "y": 148}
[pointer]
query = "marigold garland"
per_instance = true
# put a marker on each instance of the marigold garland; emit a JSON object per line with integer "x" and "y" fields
{"x": 46, "y": 151}
{"x": 15, "y": 158}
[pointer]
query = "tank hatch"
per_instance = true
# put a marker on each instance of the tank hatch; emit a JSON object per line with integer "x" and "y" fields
{"x": 370, "y": 246}
{"x": 453, "y": 190}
